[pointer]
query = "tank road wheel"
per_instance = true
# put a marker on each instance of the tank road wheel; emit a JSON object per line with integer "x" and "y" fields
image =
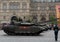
{"x": 34, "y": 34}
{"x": 37, "y": 33}
{"x": 8, "y": 32}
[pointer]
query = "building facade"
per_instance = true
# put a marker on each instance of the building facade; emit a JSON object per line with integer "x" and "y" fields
{"x": 8, "y": 8}
{"x": 35, "y": 10}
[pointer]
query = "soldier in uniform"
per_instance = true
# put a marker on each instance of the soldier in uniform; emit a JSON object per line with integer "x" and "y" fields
{"x": 56, "y": 29}
{"x": 13, "y": 18}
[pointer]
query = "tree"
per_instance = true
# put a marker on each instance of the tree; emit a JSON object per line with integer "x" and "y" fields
{"x": 53, "y": 19}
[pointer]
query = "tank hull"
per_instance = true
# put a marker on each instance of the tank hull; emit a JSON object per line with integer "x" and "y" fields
{"x": 13, "y": 29}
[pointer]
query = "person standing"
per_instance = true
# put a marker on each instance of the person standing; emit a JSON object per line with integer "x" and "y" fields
{"x": 20, "y": 19}
{"x": 56, "y": 29}
{"x": 13, "y": 18}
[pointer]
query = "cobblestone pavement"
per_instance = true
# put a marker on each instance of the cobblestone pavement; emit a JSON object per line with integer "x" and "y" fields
{"x": 47, "y": 36}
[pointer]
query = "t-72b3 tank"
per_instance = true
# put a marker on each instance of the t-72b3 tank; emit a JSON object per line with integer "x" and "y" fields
{"x": 21, "y": 27}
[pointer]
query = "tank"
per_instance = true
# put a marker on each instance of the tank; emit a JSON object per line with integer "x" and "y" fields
{"x": 18, "y": 26}
{"x": 22, "y": 28}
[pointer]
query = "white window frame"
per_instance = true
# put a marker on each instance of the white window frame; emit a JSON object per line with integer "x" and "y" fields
{"x": 4, "y": 6}
{"x": 14, "y": 6}
{"x": 24, "y": 5}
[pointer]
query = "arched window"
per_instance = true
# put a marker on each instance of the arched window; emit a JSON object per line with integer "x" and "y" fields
{"x": 48, "y": 0}
{"x": 53, "y": 0}
{"x": 4, "y": 6}
{"x": 24, "y": 5}
{"x": 43, "y": 18}
{"x": 14, "y": 5}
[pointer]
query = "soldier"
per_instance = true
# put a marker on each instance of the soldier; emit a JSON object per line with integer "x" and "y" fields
{"x": 56, "y": 29}
{"x": 13, "y": 18}
{"x": 20, "y": 20}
